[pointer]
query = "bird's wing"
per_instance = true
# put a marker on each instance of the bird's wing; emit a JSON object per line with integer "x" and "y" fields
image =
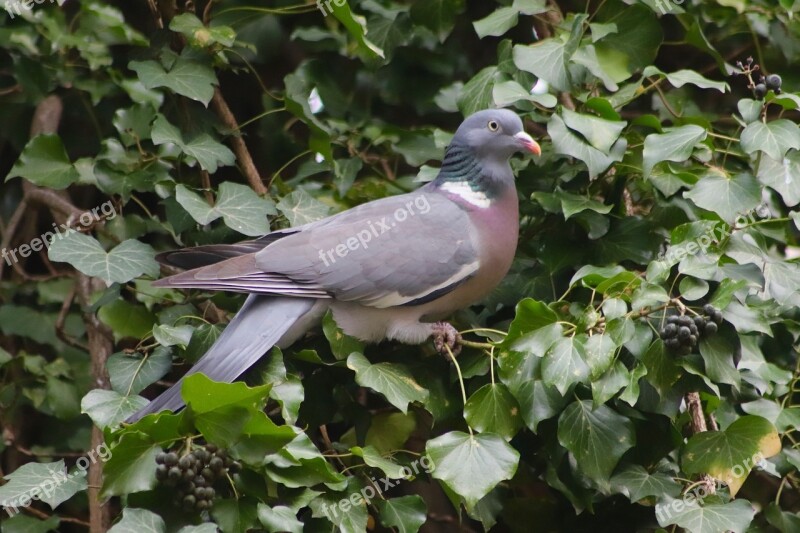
{"x": 402, "y": 250}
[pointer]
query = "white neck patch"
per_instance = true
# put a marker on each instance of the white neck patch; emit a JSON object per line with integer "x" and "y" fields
{"x": 463, "y": 190}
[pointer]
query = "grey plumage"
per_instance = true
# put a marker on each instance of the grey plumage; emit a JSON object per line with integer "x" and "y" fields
{"x": 386, "y": 269}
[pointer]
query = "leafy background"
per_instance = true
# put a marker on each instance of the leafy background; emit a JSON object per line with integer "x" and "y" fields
{"x": 205, "y": 122}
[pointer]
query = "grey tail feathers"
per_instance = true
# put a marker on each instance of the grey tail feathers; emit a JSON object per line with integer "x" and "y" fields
{"x": 256, "y": 328}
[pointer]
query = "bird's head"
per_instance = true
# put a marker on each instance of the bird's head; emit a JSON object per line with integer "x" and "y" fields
{"x": 495, "y": 133}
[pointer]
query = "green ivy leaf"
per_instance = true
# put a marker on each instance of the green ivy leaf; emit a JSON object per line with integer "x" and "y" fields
{"x": 188, "y": 76}
{"x": 279, "y": 518}
{"x": 439, "y": 16}
{"x": 568, "y": 143}
{"x": 301, "y": 208}
{"x": 238, "y": 205}
{"x": 139, "y": 521}
{"x": 123, "y": 263}
{"x": 596, "y": 437}
{"x": 726, "y": 196}
{"x": 505, "y": 18}
{"x": 131, "y": 467}
{"x": 712, "y": 516}
{"x": 493, "y": 409}
{"x": 405, "y": 513}
{"x": 472, "y": 465}
{"x": 44, "y": 162}
{"x": 677, "y": 144}
{"x": 107, "y": 408}
{"x": 637, "y": 483}
{"x": 773, "y": 138}
{"x": 48, "y": 482}
{"x": 131, "y": 374}
{"x": 565, "y": 364}
{"x": 373, "y": 458}
{"x": 209, "y": 153}
{"x": 477, "y": 93}
{"x": 601, "y": 133}
{"x": 392, "y": 380}
{"x": 783, "y": 176}
{"x": 199, "y": 35}
{"x": 729, "y": 455}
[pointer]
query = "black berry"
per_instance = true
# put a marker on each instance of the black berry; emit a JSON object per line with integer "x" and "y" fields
{"x": 760, "y": 91}
{"x": 774, "y": 82}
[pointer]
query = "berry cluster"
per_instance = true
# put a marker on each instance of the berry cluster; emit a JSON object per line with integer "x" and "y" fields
{"x": 682, "y": 333}
{"x": 765, "y": 83}
{"x": 193, "y": 474}
{"x": 773, "y": 81}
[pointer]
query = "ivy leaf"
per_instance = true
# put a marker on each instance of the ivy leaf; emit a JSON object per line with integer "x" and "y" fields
{"x": 726, "y": 196}
{"x": 509, "y": 92}
{"x": 493, "y": 409}
{"x": 287, "y": 389}
{"x": 130, "y": 374}
{"x": 477, "y": 93}
{"x": 472, "y": 465}
{"x": 774, "y": 138}
{"x": 138, "y": 521}
{"x": 783, "y": 175}
{"x": 44, "y": 162}
{"x": 357, "y": 27}
{"x": 301, "y": 208}
{"x": 279, "y": 518}
{"x": 565, "y": 364}
{"x": 373, "y": 458}
{"x": 439, "y": 16}
{"x": 131, "y": 467}
{"x": 600, "y": 351}
{"x": 188, "y": 76}
{"x": 204, "y": 395}
{"x": 711, "y": 517}
{"x": 729, "y": 455}
{"x": 199, "y": 35}
{"x": 48, "y": 482}
{"x": 635, "y": 43}
{"x": 568, "y": 143}
{"x": 235, "y": 516}
{"x": 596, "y": 437}
{"x": 107, "y": 408}
{"x": 505, "y": 18}
{"x": 601, "y": 133}
{"x": 238, "y": 205}
{"x": 686, "y": 76}
{"x": 546, "y": 60}
{"x": 208, "y": 152}
{"x": 392, "y": 380}
{"x": 173, "y": 335}
{"x": 675, "y": 145}
{"x": 342, "y": 345}
{"x": 127, "y": 261}
{"x": 637, "y": 483}
{"x": 406, "y": 513}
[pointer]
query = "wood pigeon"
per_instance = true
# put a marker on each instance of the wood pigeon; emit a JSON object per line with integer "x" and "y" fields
{"x": 388, "y": 269}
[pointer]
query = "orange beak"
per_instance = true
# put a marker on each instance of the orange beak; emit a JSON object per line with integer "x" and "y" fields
{"x": 527, "y": 142}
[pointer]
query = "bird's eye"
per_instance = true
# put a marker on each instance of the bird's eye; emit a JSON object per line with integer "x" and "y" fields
{"x": 493, "y": 125}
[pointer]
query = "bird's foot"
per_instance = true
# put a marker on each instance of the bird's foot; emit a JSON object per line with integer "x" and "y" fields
{"x": 444, "y": 336}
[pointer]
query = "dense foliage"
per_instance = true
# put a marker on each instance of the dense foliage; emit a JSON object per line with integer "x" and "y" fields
{"x": 637, "y": 370}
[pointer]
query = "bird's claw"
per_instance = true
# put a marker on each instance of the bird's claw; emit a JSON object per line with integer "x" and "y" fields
{"x": 444, "y": 336}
